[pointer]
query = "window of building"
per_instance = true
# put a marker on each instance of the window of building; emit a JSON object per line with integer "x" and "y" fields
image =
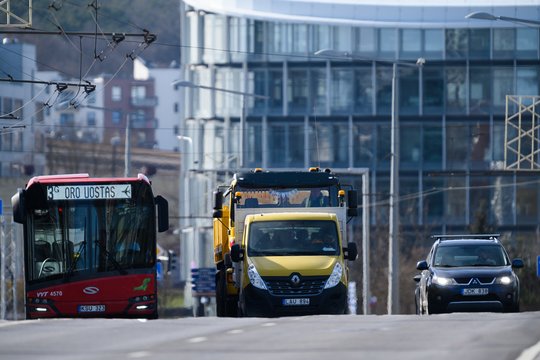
{"x": 318, "y": 91}
{"x": 410, "y": 145}
{"x": 91, "y": 118}
{"x": 363, "y": 90}
{"x": 503, "y": 84}
{"x": 457, "y": 146}
{"x": 275, "y": 91}
{"x": 480, "y": 144}
{"x": 18, "y": 108}
{"x": 365, "y": 40}
{"x": 18, "y": 141}
{"x": 329, "y": 144}
{"x": 387, "y": 42}
{"x": 214, "y": 39}
{"x": 176, "y": 107}
{"x": 7, "y": 106}
{"x": 67, "y": 120}
{"x": 479, "y": 43}
{"x": 342, "y": 38}
{"x": 384, "y": 89}
{"x": 237, "y": 38}
{"x": 299, "y": 38}
{"x": 504, "y": 43}
{"x": 384, "y": 145}
{"x": 455, "y": 200}
{"x": 287, "y": 143}
{"x": 433, "y": 94}
{"x": 457, "y": 43}
{"x": 527, "y": 42}
{"x": 257, "y": 85}
{"x": 433, "y": 201}
{"x": 254, "y": 142}
{"x": 433, "y": 43}
{"x": 138, "y": 92}
{"x": 116, "y": 117}
{"x": 116, "y": 93}
{"x": 432, "y": 146}
{"x": 7, "y": 141}
{"x": 363, "y": 144}
{"x": 320, "y": 37}
{"x": 456, "y": 90}
{"x": 297, "y": 91}
{"x": 410, "y": 44}
{"x": 527, "y": 80}
{"x": 342, "y": 90}
{"x": 480, "y": 90}
{"x": 409, "y": 92}
{"x": 480, "y": 196}
{"x": 527, "y": 202}
{"x": 408, "y": 207}
{"x": 256, "y": 39}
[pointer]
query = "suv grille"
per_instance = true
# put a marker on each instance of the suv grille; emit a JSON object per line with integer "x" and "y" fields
{"x": 482, "y": 280}
{"x": 283, "y": 286}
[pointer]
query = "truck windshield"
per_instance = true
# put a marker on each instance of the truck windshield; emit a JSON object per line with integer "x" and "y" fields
{"x": 293, "y": 237}
{"x": 288, "y": 197}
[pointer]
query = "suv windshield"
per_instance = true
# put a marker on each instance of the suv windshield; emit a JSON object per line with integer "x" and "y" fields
{"x": 470, "y": 255}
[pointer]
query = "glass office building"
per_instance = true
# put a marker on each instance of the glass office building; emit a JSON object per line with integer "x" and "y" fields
{"x": 335, "y": 110}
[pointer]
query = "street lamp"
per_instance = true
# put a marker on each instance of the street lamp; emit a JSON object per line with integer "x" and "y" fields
{"x": 242, "y": 111}
{"x": 480, "y": 15}
{"x": 393, "y": 219}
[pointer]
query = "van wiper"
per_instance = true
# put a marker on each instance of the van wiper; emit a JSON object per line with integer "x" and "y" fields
{"x": 111, "y": 258}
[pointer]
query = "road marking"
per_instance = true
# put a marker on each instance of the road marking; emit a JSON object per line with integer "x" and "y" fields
{"x": 197, "y": 339}
{"x": 235, "y": 331}
{"x": 530, "y": 353}
{"x": 139, "y": 354}
{"x": 269, "y": 324}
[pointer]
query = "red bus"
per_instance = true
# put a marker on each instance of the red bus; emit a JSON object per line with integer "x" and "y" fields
{"x": 90, "y": 245}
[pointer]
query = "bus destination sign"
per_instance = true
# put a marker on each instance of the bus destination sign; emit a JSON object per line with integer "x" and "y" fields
{"x": 89, "y": 192}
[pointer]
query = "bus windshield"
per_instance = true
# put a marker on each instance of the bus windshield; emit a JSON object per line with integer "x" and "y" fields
{"x": 288, "y": 197}
{"x": 70, "y": 237}
{"x": 293, "y": 237}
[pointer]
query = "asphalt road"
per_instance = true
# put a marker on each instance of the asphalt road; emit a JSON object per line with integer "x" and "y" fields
{"x": 450, "y": 336}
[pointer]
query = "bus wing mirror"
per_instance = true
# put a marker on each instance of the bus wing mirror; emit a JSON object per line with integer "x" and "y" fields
{"x": 352, "y": 203}
{"x": 163, "y": 213}
{"x": 17, "y": 203}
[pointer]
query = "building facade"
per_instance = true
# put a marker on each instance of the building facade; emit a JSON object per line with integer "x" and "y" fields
{"x": 334, "y": 110}
{"x": 21, "y": 123}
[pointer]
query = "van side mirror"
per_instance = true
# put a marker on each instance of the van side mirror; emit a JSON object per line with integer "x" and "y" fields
{"x": 422, "y": 265}
{"x": 218, "y": 205}
{"x": 163, "y": 213}
{"x": 352, "y": 203}
{"x": 236, "y": 253}
{"x": 517, "y": 263}
{"x": 351, "y": 251}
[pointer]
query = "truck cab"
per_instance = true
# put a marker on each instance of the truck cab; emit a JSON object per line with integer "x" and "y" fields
{"x": 292, "y": 263}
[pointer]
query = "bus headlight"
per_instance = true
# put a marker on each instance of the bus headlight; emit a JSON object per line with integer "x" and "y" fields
{"x": 335, "y": 277}
{"x": 254, "y": 278}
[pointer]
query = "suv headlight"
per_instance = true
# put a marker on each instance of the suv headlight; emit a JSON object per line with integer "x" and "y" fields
{"x": 254, "y": 278}
{"x": 335, "y": 277}
{"x": 443, "y": 281}
{"x": 505, "y": 280}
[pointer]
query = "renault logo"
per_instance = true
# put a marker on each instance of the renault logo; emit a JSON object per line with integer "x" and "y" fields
{"x": 295, "y": 279}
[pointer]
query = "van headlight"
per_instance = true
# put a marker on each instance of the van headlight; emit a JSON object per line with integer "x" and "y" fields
{"x": 254, "y": 278}
{"x": 335, "y": 277}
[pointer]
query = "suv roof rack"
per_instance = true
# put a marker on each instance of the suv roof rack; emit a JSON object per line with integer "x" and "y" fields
{"x": 467, "y": 236}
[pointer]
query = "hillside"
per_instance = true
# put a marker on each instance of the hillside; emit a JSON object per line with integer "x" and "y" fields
{"x": 63, "y": 53}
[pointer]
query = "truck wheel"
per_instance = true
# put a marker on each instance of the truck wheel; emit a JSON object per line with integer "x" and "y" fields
{"x": 221, "y": 296}
{"x": 231, "y": 306}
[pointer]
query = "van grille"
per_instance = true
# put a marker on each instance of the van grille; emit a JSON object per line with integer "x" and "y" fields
{"x": 283, "y": 286}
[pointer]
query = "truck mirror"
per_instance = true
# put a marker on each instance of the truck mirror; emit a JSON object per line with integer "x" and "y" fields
{"x": 236, "y": 253}
{"x": 163, "y": 213}
{"x": 218, "y": 205}
{"x": 352, "y": 251}
{"x": 352, "y": 203}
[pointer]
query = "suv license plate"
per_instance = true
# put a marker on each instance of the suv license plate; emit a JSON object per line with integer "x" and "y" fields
{"x": 295, "y": 302}
{"x": 91, "y": 308}
{"x": 475, "y": 291}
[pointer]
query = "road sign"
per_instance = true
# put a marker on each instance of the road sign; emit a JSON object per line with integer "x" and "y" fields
{"x": 159, "y": 270}
{"x": 538, "y": 266}
{"x": 1, "y": 207}
{"x": 203, "y": 280}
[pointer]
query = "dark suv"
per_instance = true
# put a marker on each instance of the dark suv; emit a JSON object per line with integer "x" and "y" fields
{"x": 467, "y": 273}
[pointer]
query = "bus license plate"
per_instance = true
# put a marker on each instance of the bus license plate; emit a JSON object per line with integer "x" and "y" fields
{"x": 91, "y": 308}
{"x": 475, "y": 291}
{"x": 295, "y": 302}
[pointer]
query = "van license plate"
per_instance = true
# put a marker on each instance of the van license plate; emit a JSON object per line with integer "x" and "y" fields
{"x": 294, "y": 302}
{"x": 475, "y": 291}
{"x": 91, "y": 308}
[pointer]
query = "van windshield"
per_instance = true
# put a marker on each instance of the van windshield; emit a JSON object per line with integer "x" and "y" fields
{"x": 293, "y": 237}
